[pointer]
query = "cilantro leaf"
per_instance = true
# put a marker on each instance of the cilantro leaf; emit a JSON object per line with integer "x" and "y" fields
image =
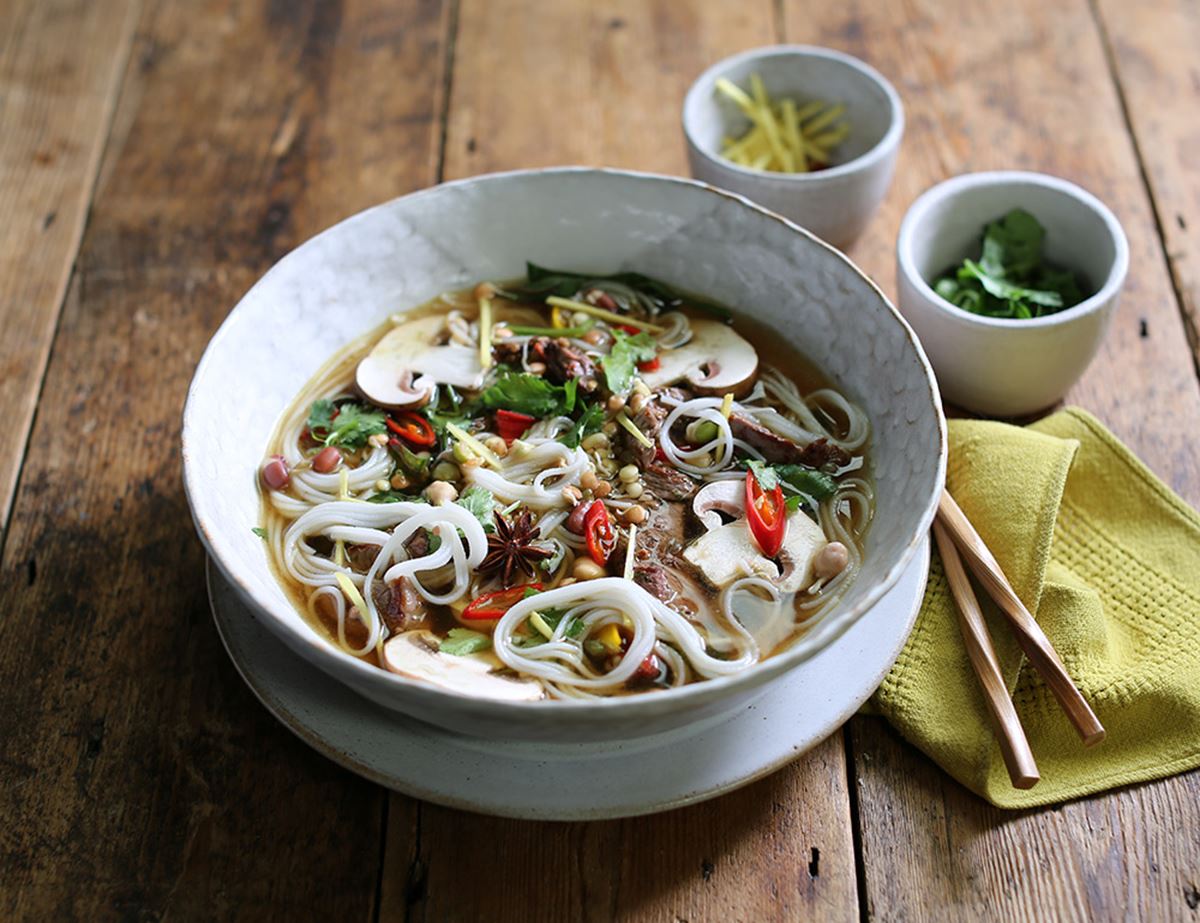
{"x": 347, "y": 424}
{"x": 808, "y": 481}
{"x": 525, "y": 393}
{"x": 621, "y": 362}
{"x": 1010, "y": 278}
{"x": 463, "y": 641}
{"x": 395, "y": 496}
{"x": 795, "y": 480}
{"x": 479, "y": 502}
{"x": 590, "y": 421}
{"x": 763, "y": 473}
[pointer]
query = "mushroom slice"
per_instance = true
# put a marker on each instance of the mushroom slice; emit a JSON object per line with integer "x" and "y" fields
{"x": 404, "y": 367}
{"x": 802, "y": 543}
{"x": 729, "y": 552}
{"x": 415, "y": 654}
{"x": 728, "y": 497}
{"x": 716, "y": 360}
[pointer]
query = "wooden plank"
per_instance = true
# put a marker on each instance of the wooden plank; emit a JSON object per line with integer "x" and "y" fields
{"x": 537, "y": 84}
{"x": 775, "y": 850}
{"x": 141, "y": 779}
{"x": 60, "y": 68}
{"x": 1153, "y": 49}
{"x": 989, "y": 85}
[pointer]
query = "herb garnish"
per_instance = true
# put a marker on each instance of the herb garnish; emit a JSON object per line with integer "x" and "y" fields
{"x": 531, "y": 394}
{"x": 347, "y": 424}
{"x": 462, "y": 641}
{"x": 1010, "y": 279}
{"x": 621, "y": 362}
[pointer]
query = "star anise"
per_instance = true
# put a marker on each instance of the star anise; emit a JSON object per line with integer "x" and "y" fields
{"x": 513, "y": 548}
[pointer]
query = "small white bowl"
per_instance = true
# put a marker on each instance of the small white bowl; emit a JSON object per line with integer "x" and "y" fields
{"x": 999, "y": 366}
{"x": 835, "y": 203}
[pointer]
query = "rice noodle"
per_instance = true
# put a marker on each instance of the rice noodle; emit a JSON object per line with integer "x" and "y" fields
{"x": 560, "y": 661}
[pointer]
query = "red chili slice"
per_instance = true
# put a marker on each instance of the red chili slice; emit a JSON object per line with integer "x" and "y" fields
{"x": 629, "y": 328}
{"x": 512, "y": 425}
{"x": 650, "y": 365}
{"x": 598, "y": 530}
{"x": 766, "y": 515}
{"x": 493, "y": 605}
{"x": 412, "y": 428}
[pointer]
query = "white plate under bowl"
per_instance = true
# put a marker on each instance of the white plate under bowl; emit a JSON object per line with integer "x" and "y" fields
{"x": 577, "y": 781}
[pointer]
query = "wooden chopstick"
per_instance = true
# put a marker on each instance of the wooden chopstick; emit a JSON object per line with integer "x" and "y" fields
{"x": 1030, "y": 636}
{"x": 1014, "y": 746}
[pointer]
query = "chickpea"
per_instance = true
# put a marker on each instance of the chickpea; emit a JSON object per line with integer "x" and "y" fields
{"x": 571, "y": 494}
{"x": 441, "y": 492}
{"x": 635, "y": 515}
{"x": 634, "y": 490}
{"x": 536, "y": 368}
{"x": 588, "y": 480}
{"x": 637, "y": 402}
{"x": 616, "y": 403}
{"x": 501, "y": 333}
{"x": 831, "y": 560}
{"x": 629, "y": 474}
{"x": 497, "y": 445}
{"x": 473, "y": 462}
{"x": 399, "y": 481}
{"x": 595, "y": 442}
{"x": 382, "y": 486}
{"x": 446, "y": 471}
{"x": 379, "y": 440}
{"x": 610, "y": 428}
{"x": 602, "y": 490}
{"x": 594, "y": 337}
{"x": 578, "y": 319}
{"x": 587, "y": 569}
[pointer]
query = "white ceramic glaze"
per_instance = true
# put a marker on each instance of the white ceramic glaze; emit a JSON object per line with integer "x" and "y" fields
{"x": 836, "y": 203}
{"x": 399, "y": 254}
{"x": 583, "y": 781}
{"x": 994, "y": 365}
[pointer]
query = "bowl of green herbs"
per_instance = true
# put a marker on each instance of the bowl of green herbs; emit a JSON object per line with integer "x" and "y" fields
{"x": 1010, "y": 280}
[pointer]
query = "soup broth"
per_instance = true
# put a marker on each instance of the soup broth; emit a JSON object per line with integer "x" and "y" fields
{"x": 566, "y": 486}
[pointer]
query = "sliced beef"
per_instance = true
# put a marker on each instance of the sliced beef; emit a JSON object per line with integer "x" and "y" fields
{"x": 400, "y": 606}
{"x": 779, "y": 450}
{"x": 822, "y": 452}
{"x": 667, "y": 483}
{"x": 563, "y": 360}
{"x": 654, "y": 579}
{"x": 506, "y": 352}
{"x": 418, "y": 545}
{"x": 361, "y": 557}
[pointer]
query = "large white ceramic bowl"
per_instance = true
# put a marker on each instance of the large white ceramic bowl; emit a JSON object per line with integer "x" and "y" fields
{"x": 397, "y": 255}
{"x": 995, "y": 365}
{"x": 835, "y": 203}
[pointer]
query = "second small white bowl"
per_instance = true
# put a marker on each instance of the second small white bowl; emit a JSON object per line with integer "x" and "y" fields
{"x": 1001, "y": 366}
{"x": 835, "y": 203}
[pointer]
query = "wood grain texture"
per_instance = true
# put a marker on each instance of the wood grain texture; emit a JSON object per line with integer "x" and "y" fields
{"x": 140, "y": 778}
{"x": 60, "y": 68}
{"x": 776, "y": 850}
{"x": 575, "y": 82}
{"x": 989, "y": 85}
{"x": 1153, "y": 50}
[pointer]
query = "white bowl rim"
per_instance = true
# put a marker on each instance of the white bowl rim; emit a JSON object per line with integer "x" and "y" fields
{"x": 864, "y": 161}
{"x": 331, "y": 659}
{"x": 918, "y": 212}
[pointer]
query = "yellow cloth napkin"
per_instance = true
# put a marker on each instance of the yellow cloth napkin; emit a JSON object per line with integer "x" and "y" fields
{"x": 1108, "y": 560}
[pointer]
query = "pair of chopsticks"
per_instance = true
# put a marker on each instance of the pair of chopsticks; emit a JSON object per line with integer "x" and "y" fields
{"x": 957, "y": 541}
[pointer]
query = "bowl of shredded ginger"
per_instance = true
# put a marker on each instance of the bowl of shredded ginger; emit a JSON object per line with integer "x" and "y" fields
{"x": 808, "y": 132}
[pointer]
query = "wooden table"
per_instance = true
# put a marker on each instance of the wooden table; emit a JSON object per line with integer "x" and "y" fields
{"x": 157, "y": 157}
